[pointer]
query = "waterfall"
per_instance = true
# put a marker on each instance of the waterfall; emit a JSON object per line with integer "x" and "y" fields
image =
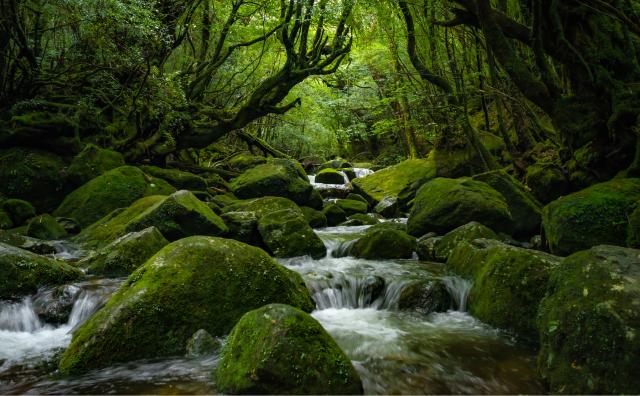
{"x": 459, "y": 289}
{"x": 19, "y": 317}
{"x": 84, "y": 307}
{"x": 362, "y": 172}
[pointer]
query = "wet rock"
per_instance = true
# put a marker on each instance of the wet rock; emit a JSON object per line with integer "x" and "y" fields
{"x": 298, "y": 356}
{"x": 315, "y": 218}
{"x": 384, "y": 244}
{"x": 387, "y": 207}
{"x": 426, "y": 248}
{"x": 55, "y": 305}
{"x": 263, "y": 206}
{"x": 329, "y": 176}
{"x": 334, "y": 214}
{"x": 91, "y": 162}
{"x": 467, "y": 232}
{"x": 335, "y": 164}
{"x": 357, "y": 197}
{"x": 589, "y": 323}
{"x": 45, "y": 227}
{"x": 243, "y": 227}
{"x": 351, "y": 207}
{"x": 425, "y": 296}
{"x": 360, "y": 219}
{"x": 202, "y": 343}
{"x": 179, "y": 179}
{"x": 287, "y": 234}
{"x": 194, "y": 283}
{"x": 117, "y": 188}
{"x": 33, "y": 245}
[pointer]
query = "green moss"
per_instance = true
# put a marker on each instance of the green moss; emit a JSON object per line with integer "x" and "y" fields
{"x": 334, "y": 214}
{"x": 329, "y": 176}
{"x": 278, "y": 349}
{"x": 243, "y": 227}
{"x": 202, "y": 344}
{"x": 444, "y": 204}
{"x": 263, "y": 206}
{"x": 33, "y": 175}
{"x": 125, "y": 254}
{"x": 117, "y": 188}
{"x": 360, "y": 219}
{"x": 45, "y": 227}
{"x": 178, "y": 216}
{"x": 467, "y": 232}
{"x": 92, "y": 162}
{"x": 384, "y": 244}
{"x": 351, "y": 207}
{"x": 315, "y": 218}
{"x": 244, "y": 161}
{"x": 596, "y": 215}
{"x": 287, "y": 234}
{"x": 5, "y": 221}
{"x": 194, "y": 283}
{"x": 177, "y": 178}
{"x": 18, "y": 210}
{"x": 590, "y": 321}
{"x": 335, "y": 164}
{"x": 357, "y": 197}
{"x": 547, "y": 181}
{"x": 23, "y": 272}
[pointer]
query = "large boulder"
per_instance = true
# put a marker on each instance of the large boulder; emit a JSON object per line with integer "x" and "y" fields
{"x": 194, "y": 283}
{"x": 178, "y": 216}
{"x": 278, "y": 349}
{"x": 124, "y": 255}
{"x": 45, "y": 227}
{"x": 523, "y": 206}
{"x": 179, "y": 179}
{"x": 444, "y": 204}
{"x": 287, "y": 234}
{"x": 589, "y": 323}
{"x": 593, "y": 216}
{"x": 279, "y": 178}
{"x": 508, "y": 283}
{"x": 329, "y": 176}
{"x": 334, "y": 214}
{"x": 117, "y": 188}
{"x": 91, "y": 162}
{"x": 384, "y": 244}
{"x": 33, "y": 175}
{"x": 23, "y": 272}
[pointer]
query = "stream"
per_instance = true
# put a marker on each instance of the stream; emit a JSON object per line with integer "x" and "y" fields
{"x": 395, "y": 351}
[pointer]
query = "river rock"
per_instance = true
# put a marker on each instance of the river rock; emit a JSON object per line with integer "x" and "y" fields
{"x": 297, "y": 356}
{"x": 467, "y": 232}
{"x": 125, "y": 254}
{"x": 425, "y": 296}
{"x": 244, "y": 161}
{"x": 384, "y": 244}
{"x": 243, "y": 227}
{"x": 202, "y": 343}
{"x": 593, "y": 216}
{"x": 23, "y": 272}
{"x": 194, "y": 283}
{"x": 178, "y": 216}
{"x": 426, "y": 247}
{"x": 351, "y": 207}
{"x": 287, "y": 234}
{"x": 589, "y": 323}
{"x": 91, "y": 162}
{"x": 262, "y": 206}
{"x": 360, "y": 219}
{"x": 444, "y": 204}
{"x": 45, "y": 227}
{"x": 334, "y": 214}
{"x": 335, "y": 164}
{"x": 117, "y": 188}
{"x": 329, "y": 176}
{"x": 315, "y": 218}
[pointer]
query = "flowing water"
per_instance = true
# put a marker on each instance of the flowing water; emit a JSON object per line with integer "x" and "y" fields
{"x": 395, "y": 351}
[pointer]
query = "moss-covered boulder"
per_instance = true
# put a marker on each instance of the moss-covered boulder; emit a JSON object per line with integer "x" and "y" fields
{"x": 335, "y": 164}
{"x": 329, "y": 176}
{"x": 278, "y": 349}
{"x": 243, "y": 227}
{"x": 194, "y": 283}
{"x": 315, "y": 218}
{"x": 334, "y": 214}
{"x": 202, "y": 343}
{"x": 357, "y": 197}
{"x": 36, "y": 176}
{"x": 91, "y": 162}
{"x": 593, "y": 216}
{"x": 523, "y": 206}
{"x": 426, "y": 247}
{"x": 244, "y": 161}
{"x": 278, "y": 178}
{"x": 444, "y": 204}
{"x": 425, "y": 296}
{"x": 23, "y": 272}
{"x": 117, "y": 188}
{"x": 178, "y": 216}
{"x": 45, "y": 227}
{"x": 589, "y": 323}
{"x": 384, "y": 244}
{"x": 351, "y": 207}
{"x": 360, "y": 219}
{"x": 18, "y": 210}
{"x": 467, "y": 232}
{"x": 124, "y": 255}
{"x": 179, "y": 179}
{"x": 508, "y": 283}
{"x": 547, "y": 181}
{"x": 287, "y": 234}
{"x": 263, "y": 206}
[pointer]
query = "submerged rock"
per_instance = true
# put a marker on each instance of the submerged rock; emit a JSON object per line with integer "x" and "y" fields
{"x": 287, "y": 234}
{"x": 589, "y": 323}
{"x": 593, "y": 216}
{"x": 384, "y": 244}
{"x": 278, "y": 349}
{"x": 194, "y": 283}
{"x": 444, "y": 204}
{"x": 117, "y": 188}
{"x": 23, "y": 272}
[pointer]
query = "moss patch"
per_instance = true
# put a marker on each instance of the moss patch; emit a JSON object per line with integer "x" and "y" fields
{"x": 287, "y": 234}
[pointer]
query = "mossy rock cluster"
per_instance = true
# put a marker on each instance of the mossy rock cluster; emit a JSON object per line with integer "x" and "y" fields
{"x": 278, "y": 349}
{"x": 593, "y": 216}
{"x": 117, "y": 188}
{"x": 91, "y": 162}
{"x": 125, "y": 254}
{"x": 329, "y": 176}
{"x": 287, "y": 234}
{"x": 194, "y": 283}
{"x": 444, "y": 204}
{"x": 23, "y": 272}
{"x": 589, "y": 323}
{"x": 508, "y": 283}
{"x": 384, "y": 244}
{"x": 179, "y": 179}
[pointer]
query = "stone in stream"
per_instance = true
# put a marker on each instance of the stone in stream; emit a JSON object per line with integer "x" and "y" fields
{"x": 508, "y": 283}
{"x": 315, "y": 218}
{"x": 444, "y": 204}
{"x": 334, "y": 214}
{"x": 287, "y": 234}
{"x": 589, "y": 323}
{"x": 117, "y": 188}
{"x": 359, "y": 219}
{"x": 262, "y": 206}
{"x": 278, "y": 349}
{"x": 351, "y": 207}
{"x": 23, "y": 272}
{"x": 596, "y": 215}
{"x": 125, "y": 254}
{"x": 384, "y": 244}
{"x": 335, "y": 164}
{"x": 329, "y": 176}
{"x": 425, "y": 296}
{"x": 194, "y": 283}
{"x": 357, "y": 197}
{"x": 45, "y": 227}
{"x": 387, "y": 207}
{"x": 202, "y": 343}
{"x": 468, "y": 232}
{"x": 426, "y": 247}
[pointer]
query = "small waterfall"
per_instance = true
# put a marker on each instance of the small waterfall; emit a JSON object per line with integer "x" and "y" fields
{"x": 86, "y": 304}
{"x": 19, "y": 317}
{"x": 459, "y": 289}
{"x": 362, "y": 172}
